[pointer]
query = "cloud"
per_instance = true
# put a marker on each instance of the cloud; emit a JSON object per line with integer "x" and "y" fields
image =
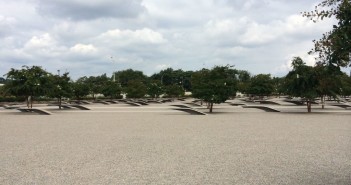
{"x": 286, "y": 67}
{"x": 148, "y": 35}
{"x": 145, "y": 35}
{"x": 43, "y": 46}
{"x": 7, "y": 25}
{"x": 92, "y": 9}
{"x": 84, "y": 49}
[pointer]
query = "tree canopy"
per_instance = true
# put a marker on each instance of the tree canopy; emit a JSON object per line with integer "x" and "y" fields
{"x": 29, "y": 82}
{"x": 213, "y": 86}
{"x": 302, "y": 82}
{"x": 335, "y": 46}
{"x": 261, "y": 85}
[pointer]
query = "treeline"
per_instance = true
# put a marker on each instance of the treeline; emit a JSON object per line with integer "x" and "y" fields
{"x": 214, "y": 85}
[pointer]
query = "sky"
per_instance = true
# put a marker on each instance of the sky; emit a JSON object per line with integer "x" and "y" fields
{"x": 93, "y": 37}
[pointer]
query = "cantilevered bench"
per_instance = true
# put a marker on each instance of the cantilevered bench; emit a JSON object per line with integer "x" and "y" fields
{"x": 35, "y": 110}
{"x": 190, "y": 111}
{"x": 182, "y": 106}
{"x": 132, "y": 103}
{"x": 81, "y": 107}
{"x": 345, "y": 106}
{"x": 102, "y": 102}
{"x": 267, "y": 109}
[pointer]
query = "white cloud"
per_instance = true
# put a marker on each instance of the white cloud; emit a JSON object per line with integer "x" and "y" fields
{"x": 148, "y": 35}
{"x": 84, "y": 49}
{"x": 286, "y": 67}
{"x": 41, "y": 41}
{"x": 124, "y": 37}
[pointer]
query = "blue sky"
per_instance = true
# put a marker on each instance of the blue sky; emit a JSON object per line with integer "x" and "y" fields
{"x": 101, "y": 36}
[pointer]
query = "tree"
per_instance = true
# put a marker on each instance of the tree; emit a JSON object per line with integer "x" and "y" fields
{"x": 80, "y": 88}
{"x": 345, "y": 85}
{"x": 261, "y": 85}
{"x": 112, "y": 89}
{"x": 329, "y": 81}
{"x": 174, "y": 90}
{"x": 123, "y": 77}
{"x": 29, "y": 82}
{"x": 135, "y": 89}
{"x": 335, "y": 46}
{"x": 171, "y": 77}
{"x": 155, "y": 89}
{"x": 96, "y": 84}
{"x": 302, "y": 82}
{"x": 60, "y": 87}
{"x": 213, "y": 86}
{"x": 244, "y": 79}
{"x": 278, "y": 85}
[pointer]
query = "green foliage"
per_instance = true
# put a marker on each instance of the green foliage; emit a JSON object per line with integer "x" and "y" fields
{"x": 345, "y": 85}
{"x": 335, "y": 46}
{"x": 174, "y": 91}
{"x": 111, "y": 89}
{"x": 171, "y": 77}
{"x": 302, "y": 82}
{"x": 135, "y": 89}
{"x": 244, "y": 79}
{"x": 213, "y": 86}
{"x": 96, "y": 84}
{"x": 80, "y": 88}
{"x": 123, "y": 77}
{"x": 60, "y": 86}
{"x": 329, "y": 80}
{"x": 278, "y": 85}
{"x": 12, "y": 99}
{"x": 28, "y": 82}
{"x": 261, "y": 85}
{"x": 155, "y": 89}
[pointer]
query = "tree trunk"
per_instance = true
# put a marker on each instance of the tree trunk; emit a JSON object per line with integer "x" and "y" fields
{"x": 27, "y": 100}
{"x": 309, "y": 109}
{"x": 211, "y": 107}
{"x": 323, "y": 101}
{"x": 60, "y": 102}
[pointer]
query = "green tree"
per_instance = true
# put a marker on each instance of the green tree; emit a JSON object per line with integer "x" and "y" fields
{"x": 302, "y": 82}
{"x": 112, "y": 89}
{"x": 174, "y": 90}
{"x": 345, "y": 85}
{"x": 335, "y": 46}
{"x": 278, "y": 85}
{"x": 244, "y": 79}
{"x": 329, "y": 81}
{"x": 155, "y": 89}
{"x": 170, "y": 76}
{"x": 123, "y": 77}
{"x": 80, "y": 88}
{"x": 213, "y": 86}
{"x": 29, "y": 82}
{"x": 61, "y": 87}
{"x": 261, "y": 85}
{"x": 96, "y": 84}
{"x": 135, "y": 89}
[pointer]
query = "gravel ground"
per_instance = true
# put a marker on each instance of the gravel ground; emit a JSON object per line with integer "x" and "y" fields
{"x": 175, "y": 148}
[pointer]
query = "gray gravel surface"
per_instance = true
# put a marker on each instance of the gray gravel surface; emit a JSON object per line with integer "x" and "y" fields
{"x": 175, "y": 148}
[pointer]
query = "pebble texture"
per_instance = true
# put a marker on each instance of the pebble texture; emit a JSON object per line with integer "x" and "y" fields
{"x": 175, "y": 148}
